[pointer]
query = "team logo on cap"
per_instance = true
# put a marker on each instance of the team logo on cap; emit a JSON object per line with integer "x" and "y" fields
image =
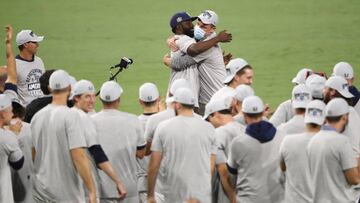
{"x": 255, "y": 108}
{"x": 302, "y": 96}
{"x": 57, "y": 85}
{"x": 107, "y": 97}
{"x": 149, "y": 98}
{"x": 346, "y": 75}
{"x": 179, "y": 19}
{"x": 206, "y": 14}
{"x": 345, "y": 86}
{"x": 90, "y": 88}
{"x": 31, "y": 34}
{"x": 315, "y": 112}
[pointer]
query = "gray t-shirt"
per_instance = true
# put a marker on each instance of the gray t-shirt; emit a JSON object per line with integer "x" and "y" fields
{"x": 353, "y": 128}
{"x": 55, "y": 131}
{"x": 257, "y": 167}
{"x": 22, "y": 179}
{"x": 184, "y": 66}
{"x": 185, "y": 165}
{"x": 28, "y": 74}
{"x": 298, "y": 185}
{"x": 295, "y": 125}
{"x": 154, "y": 121}
{"x": 143, "y": 120}
{"x": 330, "y": 154}
{"x": 9, "y": 151}
{"x": 120, "y": 135}
{"x": 283, "y": 113}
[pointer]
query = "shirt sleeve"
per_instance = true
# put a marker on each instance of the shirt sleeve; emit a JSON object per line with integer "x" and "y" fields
{"x": 157, "y": 143}
{"x": 91, "y": 135}
{"x": 283, "y": 149}
{"x": 214, "y": 145}
{"x": 75, "y": 133}
{"x": 12, "y": 148}
{"x": 140, "y": 142}
{"x": 233, "y": 155}
{"x": 184, "y": 42}
{"x": 149, "y": 130}
{"x": 347, "y": 156}
{"x": 220, "y": 156}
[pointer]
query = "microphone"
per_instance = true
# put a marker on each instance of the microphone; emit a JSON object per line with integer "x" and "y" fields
{"x": 124, "y": 62}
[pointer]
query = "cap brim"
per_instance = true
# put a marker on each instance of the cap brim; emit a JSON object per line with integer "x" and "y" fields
{"x": 346, "y": 94}
{"x": 38, "y": 39}
{"x": 228, "y": 79}
{"x": 205, "y": 117}
{"x": 170, "y": 100}
{"x": 294, "y": 80}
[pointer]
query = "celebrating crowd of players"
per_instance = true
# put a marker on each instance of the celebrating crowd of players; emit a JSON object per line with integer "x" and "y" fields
{"x": 214, "y": 141}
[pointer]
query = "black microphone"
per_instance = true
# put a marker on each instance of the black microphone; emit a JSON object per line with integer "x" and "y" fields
{"x": 124, "y": 62}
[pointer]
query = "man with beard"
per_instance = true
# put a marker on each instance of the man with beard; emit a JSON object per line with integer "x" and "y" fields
{"x": 202, "y": 54}
{"x": 337, "y": 87}
{"x": 333, "y": 164}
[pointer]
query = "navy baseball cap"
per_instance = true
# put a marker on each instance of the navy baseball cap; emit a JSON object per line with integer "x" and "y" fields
{"x": 179, "y": 18}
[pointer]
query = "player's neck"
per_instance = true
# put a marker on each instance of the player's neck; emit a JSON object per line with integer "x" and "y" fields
{"x": 26, "y": 55}
{"x": 186, "y": 112}
{"x": 227, "y": 119}
{"x": 151, "y": 109}
{"x": 311, "y": 129}
{"x": 59, "y": 99}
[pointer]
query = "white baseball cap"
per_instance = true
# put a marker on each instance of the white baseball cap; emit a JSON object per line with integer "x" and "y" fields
{"x": 339, "y": 84}
{"x": 301, "y": 76}
{"x": 110, "y": 91}
{"x": 82, "y": 87}
{"x": 316, "y": 83}
{"x": 184, "y": 95}
{"x": 242, "y": 91}
{"x": 209, "y": 17}
{"x": 252, "y": 105}
{"x": 5, "y": 102}
{"x": 343, "y": 69}
{"x": 301, "y": 96}
{"x": 178, "y": 83}
{"x": 233, "y": 67}
{"x": 148, "y": 92}
{"x": 315, "y": 112}
{"x": 336, "y": 107}
{"x": 59, "y": 80}
{"x": 217, "y": 105}
{"x": 27, "y": 36}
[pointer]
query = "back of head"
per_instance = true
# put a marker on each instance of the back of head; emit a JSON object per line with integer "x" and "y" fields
{"x": 301, "y": 76}
{"x": 253, "y": 106}
{"x": 185, "y": 97}
{"x": 59, "y": 81}
{"x": 315, "y": 112}
{"x": 335, "y": 109}
{"x": 44, "y": 81}
{"x": 110, "y": 92}
{"x": 343, "y": 69}
{"x": 316, "y": 83}
{"x": 148, "y": 92}
{"x": 301, "y": 96}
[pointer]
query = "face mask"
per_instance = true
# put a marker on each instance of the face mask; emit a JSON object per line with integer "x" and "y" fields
{"x": 199, "y": 33}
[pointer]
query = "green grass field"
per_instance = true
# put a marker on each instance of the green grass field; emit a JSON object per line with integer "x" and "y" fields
{"x": 277, "y": 37}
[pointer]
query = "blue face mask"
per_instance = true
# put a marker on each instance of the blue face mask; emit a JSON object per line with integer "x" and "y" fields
{"x": 199, "y": 33}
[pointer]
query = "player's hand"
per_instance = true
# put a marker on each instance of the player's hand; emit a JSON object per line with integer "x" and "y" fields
{"x": 9, "y": 34}
{"x": 121, "y": 190}
{"x": 227, "y": 58}
{"x": 172, "y": 44}
{"x": 266, "y": 110}
{"x": 15, "y": 126}
{"x": 223, "y": 36}
{"x": 151, "y": 200}
{"x": 167, "y": 60}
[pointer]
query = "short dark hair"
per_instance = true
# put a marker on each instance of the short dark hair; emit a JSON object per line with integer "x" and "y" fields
{"x": 21, "y": 47}
{"x": 225, "y": 111}
{"x": 18, "y": 110}
{"x": 108, "y": 103}
{"x": 149, "y": 104}
{"x": 333, "y": 119}
{"x": 188, "y": 106}
{"x": 44, "y": 81}
{"x": 254, "y": 115}
{"x": 300, "y": 110}
{"x": 313, "y": 125}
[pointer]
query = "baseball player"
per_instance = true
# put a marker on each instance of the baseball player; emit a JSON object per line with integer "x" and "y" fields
{"x": 10, "y": 152}
{"x": 123, "y": 129}
{"x": 316, "y": 84}
{"x": 333, "y": 163}
{"x": 149, "y": 99}
{"x": 238, "y": 72}
{"x": 336, "y": 87}
{"x": 82, "y": 95}
{"x": 284, "y": 111}
{"x": 344, "y": 69}
{"x": 241, "y": 92}
{"x": 186, "y": 156}
{"x": 29, "y": 66}
{"x": 301, "y": 97}
{"x": 218, "y": 112}
{"x": 294, "y": 158}
{"x": 155, "y": 119}
{"x": 58, "y": 149}
{"x": 253, "y": 156}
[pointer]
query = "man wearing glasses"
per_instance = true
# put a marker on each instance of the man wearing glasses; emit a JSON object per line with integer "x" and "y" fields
{"x": 29, "y": 67}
